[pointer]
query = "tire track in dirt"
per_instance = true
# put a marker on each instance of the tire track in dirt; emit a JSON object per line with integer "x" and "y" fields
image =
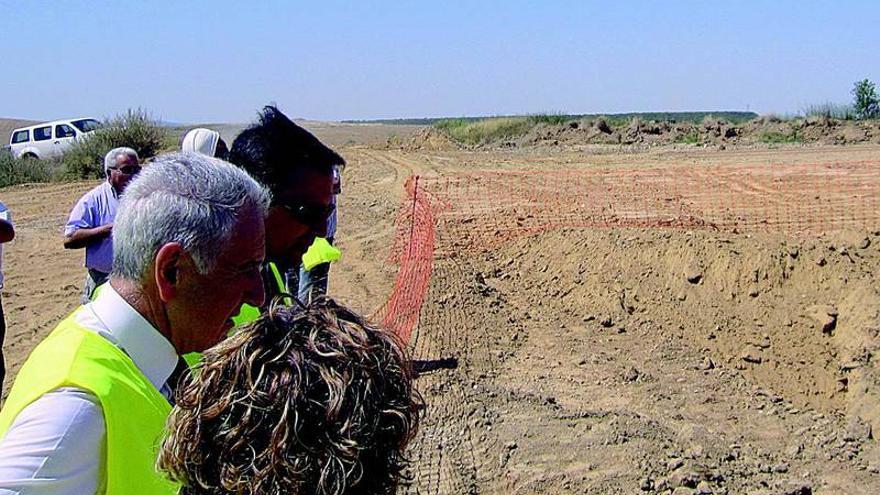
{"x": 457, "y": 449}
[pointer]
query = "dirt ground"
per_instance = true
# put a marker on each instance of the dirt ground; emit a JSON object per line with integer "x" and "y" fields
{"x": 589, "y": 360}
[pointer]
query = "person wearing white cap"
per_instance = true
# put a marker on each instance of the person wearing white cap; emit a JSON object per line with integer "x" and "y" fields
{"x": 206, "y": 142}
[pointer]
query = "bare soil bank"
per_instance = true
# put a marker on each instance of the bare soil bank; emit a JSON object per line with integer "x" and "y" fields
{"x": 639, "y": 134}
{"x": 629, "y": 361}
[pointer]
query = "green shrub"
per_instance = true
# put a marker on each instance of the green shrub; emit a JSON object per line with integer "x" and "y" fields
{"x": 449, "y": 124}
{"x": 865, "y": 100}
{"x": 21, "y": 171}
{"x": 551, "y": 119}
{"x": 830, "y": 111}
{"x": 776, "y": 137}
{"x": 692, "y": 137}
{"x": 483, "y": 131}
{"x": 134, "y": 128}
{"x": 171, "y": 140}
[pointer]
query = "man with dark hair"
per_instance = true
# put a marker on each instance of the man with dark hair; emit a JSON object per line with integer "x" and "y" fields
{"x": 298, "y": 170}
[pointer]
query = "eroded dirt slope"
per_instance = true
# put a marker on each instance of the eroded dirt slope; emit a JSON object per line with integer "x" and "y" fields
{"x": 628, "y": 361}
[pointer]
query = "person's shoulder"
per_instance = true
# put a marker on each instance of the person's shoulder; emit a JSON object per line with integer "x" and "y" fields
{"x": 63, "y": 412}
{"x": 99, "y": 191}
{"x": 64, "y": 420}
{"x": 103, "y": 188}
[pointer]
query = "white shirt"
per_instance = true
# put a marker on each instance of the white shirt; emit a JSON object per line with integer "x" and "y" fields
{"x": 56, "y": 444}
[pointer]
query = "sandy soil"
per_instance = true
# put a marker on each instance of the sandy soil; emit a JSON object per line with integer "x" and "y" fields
{"x": 600, "y": 368}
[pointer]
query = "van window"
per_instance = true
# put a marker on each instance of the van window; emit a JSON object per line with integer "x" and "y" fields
{"x": 43, "y": 133}
{"x": 21, "y": 136}
{"x": 86, "y": 125}
{"x": 63, "y": 131}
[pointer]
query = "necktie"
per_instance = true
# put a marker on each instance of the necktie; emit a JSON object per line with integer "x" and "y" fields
{"x": 176, "y": 378}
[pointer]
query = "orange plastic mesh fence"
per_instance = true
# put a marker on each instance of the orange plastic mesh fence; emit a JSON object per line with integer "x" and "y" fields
{"x": 413, "y": 250}
{"x": 451, "y": 215}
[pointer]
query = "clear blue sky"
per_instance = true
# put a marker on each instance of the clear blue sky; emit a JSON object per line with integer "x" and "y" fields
{"x": 219, "y": 61}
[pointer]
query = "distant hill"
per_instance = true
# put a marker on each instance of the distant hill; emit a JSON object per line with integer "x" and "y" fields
{"x": 693, "y": 117}
{"x": 7, "y": 125}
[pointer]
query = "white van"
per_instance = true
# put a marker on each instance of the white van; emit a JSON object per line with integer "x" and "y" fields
{"x": 49, "y": 139}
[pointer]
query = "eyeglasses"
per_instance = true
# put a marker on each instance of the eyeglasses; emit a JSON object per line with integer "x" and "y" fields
{"x": 312, "y": 215}
{"x": 128, "y": 169}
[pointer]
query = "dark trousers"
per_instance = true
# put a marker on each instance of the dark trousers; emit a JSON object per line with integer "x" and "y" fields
{"x": 313, "y": 283}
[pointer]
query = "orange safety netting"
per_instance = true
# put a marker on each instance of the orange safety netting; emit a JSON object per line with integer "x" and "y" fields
{"x": 475, "y": 211}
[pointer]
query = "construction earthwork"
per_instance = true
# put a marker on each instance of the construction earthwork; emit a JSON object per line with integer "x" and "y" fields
{"x": 658, "y": 320}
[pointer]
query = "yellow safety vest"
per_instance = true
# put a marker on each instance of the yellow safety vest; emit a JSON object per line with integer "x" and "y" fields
{"x": 134, "y": 411}
{"x": 320, "y": 252}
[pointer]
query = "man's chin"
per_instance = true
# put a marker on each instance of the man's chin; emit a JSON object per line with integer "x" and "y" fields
{"x": 221, "y": 334}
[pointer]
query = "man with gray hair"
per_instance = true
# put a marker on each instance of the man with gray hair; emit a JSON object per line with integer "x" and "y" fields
{"x": 87, "y": 410}
{"x": 90, "y": 225}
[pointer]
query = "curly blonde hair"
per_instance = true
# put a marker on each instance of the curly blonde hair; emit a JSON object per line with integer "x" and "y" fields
{"x": 313, "y": 401}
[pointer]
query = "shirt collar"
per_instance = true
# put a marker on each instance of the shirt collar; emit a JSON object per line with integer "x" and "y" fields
{"x": 110, "y": 189}
{"x": 150, "y": 351}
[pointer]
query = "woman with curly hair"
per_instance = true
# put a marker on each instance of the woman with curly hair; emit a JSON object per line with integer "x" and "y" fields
{"x": 312, "y": 401}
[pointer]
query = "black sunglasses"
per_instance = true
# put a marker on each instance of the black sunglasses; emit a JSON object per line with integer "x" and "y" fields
{"x": 312, "y": 215}
{"x": 128, "y": 169}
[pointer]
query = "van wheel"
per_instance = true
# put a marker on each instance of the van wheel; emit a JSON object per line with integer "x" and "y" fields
{"x": 29, "y": 156}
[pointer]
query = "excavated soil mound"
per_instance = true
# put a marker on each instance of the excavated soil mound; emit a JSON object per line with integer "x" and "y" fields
{"x": 719, "y": 133}
{"x": 709, "y": 132}
{"x": 424, "y": 139}
{"x": 649, "y": 361}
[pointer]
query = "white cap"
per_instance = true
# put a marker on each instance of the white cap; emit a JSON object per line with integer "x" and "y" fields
{"x": 201, "y": 140}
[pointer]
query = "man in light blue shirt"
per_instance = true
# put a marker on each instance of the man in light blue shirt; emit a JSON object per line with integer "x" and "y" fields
{"x": 90, "y": 225}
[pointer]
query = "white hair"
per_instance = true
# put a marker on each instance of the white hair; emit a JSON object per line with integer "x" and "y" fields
{"x": 186, "y": 198}
{"x": 110, "y": 157}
